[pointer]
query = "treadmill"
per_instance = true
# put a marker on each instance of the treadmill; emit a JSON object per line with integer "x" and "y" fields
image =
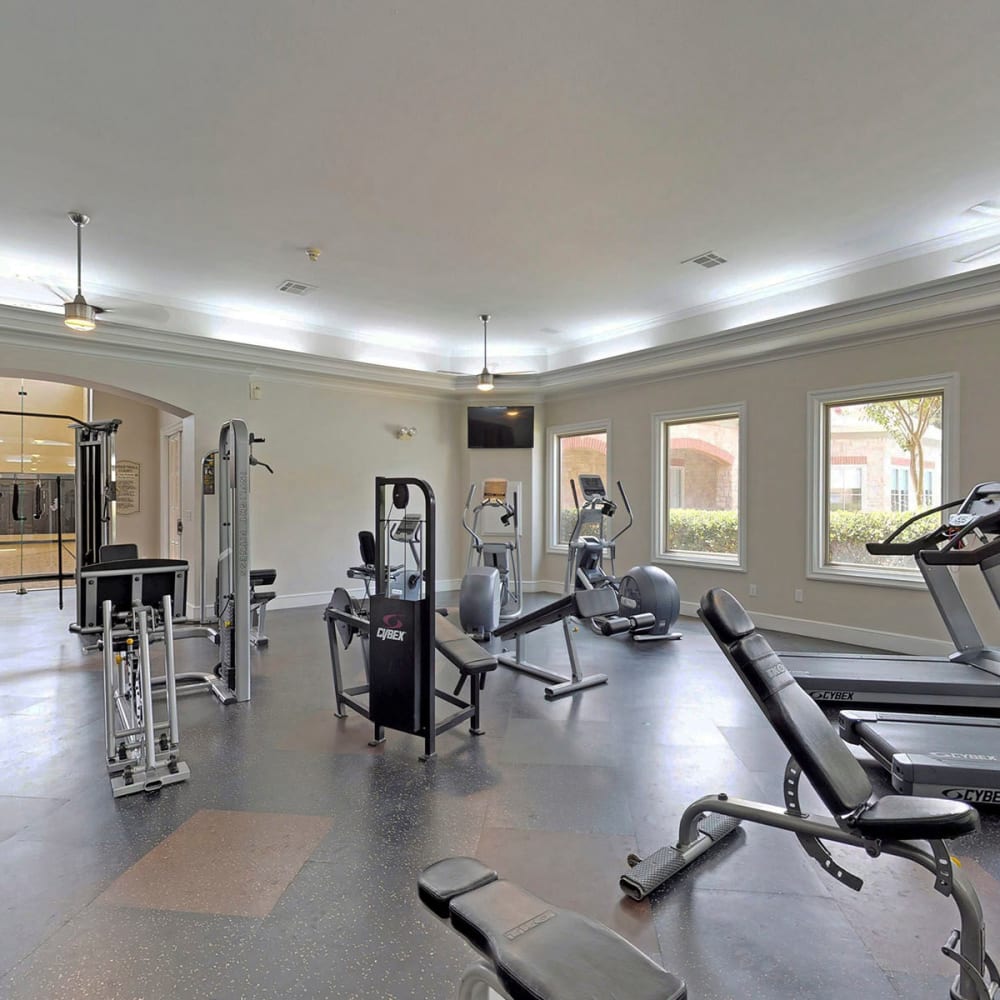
{"x": 953, "y": 756}
{"x": 969, "y": 677}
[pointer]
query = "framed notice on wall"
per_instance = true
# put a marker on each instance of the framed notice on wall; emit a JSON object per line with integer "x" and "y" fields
{"x": 128, "y": 486}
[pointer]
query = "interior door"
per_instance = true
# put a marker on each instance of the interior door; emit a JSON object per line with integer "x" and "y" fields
{"x": 175, "y": 524}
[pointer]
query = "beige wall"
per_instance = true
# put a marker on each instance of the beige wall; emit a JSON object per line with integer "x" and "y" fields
{"x": 775, "y": 394}
{"x": 326, "y": 442}
{"x": 137, "y": 440}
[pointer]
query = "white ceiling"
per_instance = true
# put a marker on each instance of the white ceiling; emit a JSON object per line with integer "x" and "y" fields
{"x": 549, "y": 162}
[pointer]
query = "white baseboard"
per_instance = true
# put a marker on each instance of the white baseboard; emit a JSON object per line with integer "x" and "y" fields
{"x": 894, "y": 641}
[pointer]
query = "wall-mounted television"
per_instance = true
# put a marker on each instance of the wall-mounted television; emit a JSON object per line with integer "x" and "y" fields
{"x": 501, "y": 426}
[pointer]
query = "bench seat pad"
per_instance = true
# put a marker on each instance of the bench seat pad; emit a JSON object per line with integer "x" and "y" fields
{"x": 463, "y": 651}
{"x": 542, "y": 952}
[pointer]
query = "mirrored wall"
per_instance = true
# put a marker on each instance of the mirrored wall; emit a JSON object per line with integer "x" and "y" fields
{"x": 37, "y": 484}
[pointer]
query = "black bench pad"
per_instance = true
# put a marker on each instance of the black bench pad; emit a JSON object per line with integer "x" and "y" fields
{"x": 542, "y": 952}
{"x": 263, "y": 577}
{"x": 464, "y": 652}
{"x": 902, "y": 817}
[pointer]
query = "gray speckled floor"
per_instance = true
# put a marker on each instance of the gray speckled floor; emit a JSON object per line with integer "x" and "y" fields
{"x": 554, "y": 795}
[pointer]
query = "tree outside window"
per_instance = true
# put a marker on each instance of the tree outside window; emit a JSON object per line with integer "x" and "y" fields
{"x": 897, "y": 442}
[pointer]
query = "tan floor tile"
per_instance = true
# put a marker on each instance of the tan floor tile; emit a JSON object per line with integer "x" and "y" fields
{"x": 222, "y": 862}
{"x": 578, "y": 871}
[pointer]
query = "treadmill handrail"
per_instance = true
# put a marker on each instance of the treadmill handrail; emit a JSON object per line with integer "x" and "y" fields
{"x": 951, "y": 555}
{"x": 888, "y": 547}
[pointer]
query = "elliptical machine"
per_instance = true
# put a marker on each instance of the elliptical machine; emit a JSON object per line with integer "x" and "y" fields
{"x": 647, "y": 595}
{"x": 491, "y": 588}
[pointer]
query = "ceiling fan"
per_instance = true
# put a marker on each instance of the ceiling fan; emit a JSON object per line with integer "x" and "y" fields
{"x": 485, "y": 379}
{"x": 78, "y": 313}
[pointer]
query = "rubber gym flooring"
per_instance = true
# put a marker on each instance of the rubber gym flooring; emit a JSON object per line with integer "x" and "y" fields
{"x": 286, "y": 866}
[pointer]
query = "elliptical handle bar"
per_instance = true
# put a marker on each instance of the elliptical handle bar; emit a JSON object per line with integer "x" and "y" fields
{"x": 628, "y": 510}
{"x": 477, "y": 541}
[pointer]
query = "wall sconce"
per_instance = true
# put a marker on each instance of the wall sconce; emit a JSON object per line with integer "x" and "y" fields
{"x": 405, "y": 433}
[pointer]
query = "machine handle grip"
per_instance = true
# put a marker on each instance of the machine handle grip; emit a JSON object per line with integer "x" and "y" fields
{"x": 961, "y": 557}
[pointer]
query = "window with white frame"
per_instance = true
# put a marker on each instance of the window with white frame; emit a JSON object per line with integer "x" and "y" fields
{"x": 574, "y": 450}
{"x": 899, "y": 495}
{"x": 878, "y": 456}
{"x": 846, "y": 487}
{"x": 700, "y": 485}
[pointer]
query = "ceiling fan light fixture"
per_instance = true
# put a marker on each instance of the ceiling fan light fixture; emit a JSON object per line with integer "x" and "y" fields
{"x": 80, "y": 315}
{"x": 485, "y": 381}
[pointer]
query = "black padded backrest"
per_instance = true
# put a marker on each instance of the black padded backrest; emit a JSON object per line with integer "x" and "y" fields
{"x": 366, "y": 540}
{"x": 113, "y": 553}
{"x": 825, "y": 760}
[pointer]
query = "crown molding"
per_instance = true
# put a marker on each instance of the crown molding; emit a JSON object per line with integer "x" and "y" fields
{"x": 945, "y": 304}
{"x": 970, "y": 298}
{"x": 43, "y": 331}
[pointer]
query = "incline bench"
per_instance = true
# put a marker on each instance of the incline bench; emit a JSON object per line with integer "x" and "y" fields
{"x": 890, "y": 824}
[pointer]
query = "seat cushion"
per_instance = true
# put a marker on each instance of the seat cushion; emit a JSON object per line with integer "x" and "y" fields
{"x": 542, "y": 952}
{"x": 465, "y": 653}
{"x": 907, "y": 817}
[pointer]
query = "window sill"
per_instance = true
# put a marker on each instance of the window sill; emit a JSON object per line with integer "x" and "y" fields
{"x": 704, "y": 560}
{"x": 869, "y": 577}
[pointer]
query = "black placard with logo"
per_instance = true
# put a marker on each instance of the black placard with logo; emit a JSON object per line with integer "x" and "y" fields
{"x": 394, "y": 695}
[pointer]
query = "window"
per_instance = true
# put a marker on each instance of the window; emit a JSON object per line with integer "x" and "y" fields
{"x": 700, "y": 486}
{"x": 899, "y": 495}
{"x": 878, "y": 455}
{"x": 574, "y": 450}
{"x": 846, "y": 486}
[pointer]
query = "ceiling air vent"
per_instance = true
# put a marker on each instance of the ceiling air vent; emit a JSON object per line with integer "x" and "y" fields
{"x": 706, "y": 259}
{"x": 290, "y": 287}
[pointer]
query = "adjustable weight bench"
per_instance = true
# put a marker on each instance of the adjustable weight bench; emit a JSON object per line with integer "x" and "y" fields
{"x": 890, "y": 824}
{"x": 532, "y": 950}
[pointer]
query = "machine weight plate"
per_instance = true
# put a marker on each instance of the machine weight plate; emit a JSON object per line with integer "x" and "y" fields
{"x": 342, "y": 601}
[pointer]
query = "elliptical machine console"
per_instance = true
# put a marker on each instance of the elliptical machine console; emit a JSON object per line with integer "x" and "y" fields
{"x": 648, "y": 598}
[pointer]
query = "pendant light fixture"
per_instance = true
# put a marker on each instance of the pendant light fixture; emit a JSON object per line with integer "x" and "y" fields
{"x": 485, "y": 381}
{"x": 80, "y": 315}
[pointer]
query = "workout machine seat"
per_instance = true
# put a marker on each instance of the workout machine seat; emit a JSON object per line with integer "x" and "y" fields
{"x": 839, "y": 780}
{"x": 262, "y": 578}
{"x": 115, "y": 553}
{"x": 539, "y": 951}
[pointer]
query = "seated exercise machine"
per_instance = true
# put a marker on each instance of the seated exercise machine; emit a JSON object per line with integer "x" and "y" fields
{"x": 568, "y": 609}
{"x": 401, "y": 633}
{"x": 891, "y": 824}
{"x": 969, "y": 677}
{"x": 648, "y": 598}
{"x": 130, "y": 603}
{"x": 532, "y": 950}
{"x": 491, "y": 587}
{"x": 240, "y": 607}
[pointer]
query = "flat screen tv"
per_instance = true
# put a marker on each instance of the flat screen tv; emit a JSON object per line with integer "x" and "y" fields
{"x": 501, "y": 426}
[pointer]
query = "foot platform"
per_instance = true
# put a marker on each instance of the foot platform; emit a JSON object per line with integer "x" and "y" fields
{"x": 648, "y": 874}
